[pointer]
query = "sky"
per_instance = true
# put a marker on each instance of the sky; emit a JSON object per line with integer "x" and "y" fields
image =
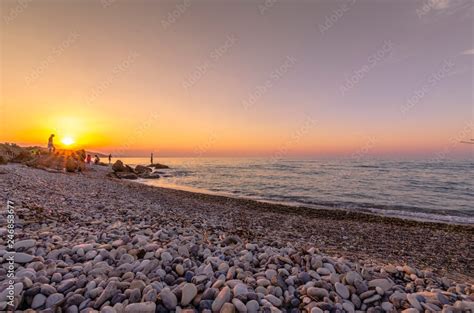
{"x": 240, "y": 78}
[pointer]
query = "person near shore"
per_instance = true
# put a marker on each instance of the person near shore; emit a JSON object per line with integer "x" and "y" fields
{"x": 110, "y": 158}
{"x": 51, "y": 147}
{"x": 88, "y": 159}
{"x": 151, "y": 158}
{"x": 96, "y": 159}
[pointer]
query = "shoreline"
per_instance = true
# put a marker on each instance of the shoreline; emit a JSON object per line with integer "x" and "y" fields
{"x": 396, "y": 214}
{"x": 64, "y": 211}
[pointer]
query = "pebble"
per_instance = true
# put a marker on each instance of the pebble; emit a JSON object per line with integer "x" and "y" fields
{"x": 342, "y": 290}
{"x": 188, "y": 293}
{"x": 134, "y": 257}
{"x": 144, "y": 307}
{"x": 169, "y": 299}
{"x": 317, "y": 292}
{"x": 223, "y": 297}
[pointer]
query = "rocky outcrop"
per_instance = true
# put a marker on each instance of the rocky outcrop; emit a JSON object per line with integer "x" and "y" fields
{"x": 140, "y": 169}
{"x": 14, "y": 153}
{"x": 118, "y": 166}
{"x": 68, "y": 160}
{"x": 157, "y": 166}
{"x": 124, "y": 171}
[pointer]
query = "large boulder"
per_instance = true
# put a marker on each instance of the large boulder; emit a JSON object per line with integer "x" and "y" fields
{"x": 126, "y": 175}
{"x": 14, "y": 153}
{"x": 150, "y": 175}
{"x": 71, "y": 165}
{"x": 158, "y": 166}
{"x": 140, "y": 169}
{"x": 118, "y": 166}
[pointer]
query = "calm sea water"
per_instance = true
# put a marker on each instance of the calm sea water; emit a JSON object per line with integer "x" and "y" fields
{"x": 442, "y": 191}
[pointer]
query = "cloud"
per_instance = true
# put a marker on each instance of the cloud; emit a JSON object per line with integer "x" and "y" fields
{"x": 439, "y": 4}
{"x": 469, "y": 52}
{"x": 438, "y": 8}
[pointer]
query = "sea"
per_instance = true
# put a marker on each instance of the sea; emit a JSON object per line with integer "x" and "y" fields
{"x": 427, "y": 190}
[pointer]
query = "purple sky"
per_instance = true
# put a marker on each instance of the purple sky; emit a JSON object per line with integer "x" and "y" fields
{"x": 250, "y": 72}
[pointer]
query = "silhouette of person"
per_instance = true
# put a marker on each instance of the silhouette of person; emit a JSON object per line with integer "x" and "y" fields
{"x": 51, "y": 147}
{"x": 110, "y": 158}
{"x": 96, "y": 159}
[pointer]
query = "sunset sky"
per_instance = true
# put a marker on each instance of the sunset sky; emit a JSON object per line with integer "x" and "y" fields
{"x": 240, "y": 78}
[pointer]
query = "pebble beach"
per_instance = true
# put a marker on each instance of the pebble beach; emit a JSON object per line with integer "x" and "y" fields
{"x": 85, "y": 242}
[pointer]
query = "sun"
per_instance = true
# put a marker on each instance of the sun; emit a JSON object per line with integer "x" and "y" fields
{"x": 67, "y": 141}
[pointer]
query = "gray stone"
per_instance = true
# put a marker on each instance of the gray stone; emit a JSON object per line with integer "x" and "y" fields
{"x": 342, "y": 290}
{"x": 169, "y": 299}
{"x": 188, "y": 293}
{"x": 383, "y": 283}
{"x": 38, "y": 301}
{"x": 223, "y": 297}
{"x": 144, "y": 307}
{"x": 24, "y": 244}
{"x": 252, "y": 306}
{"x": 54, "y": 299}
{"x": 315, "y": 292}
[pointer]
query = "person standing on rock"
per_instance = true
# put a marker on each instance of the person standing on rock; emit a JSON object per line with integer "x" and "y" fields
{"x": 51, "y": 147}
{"x": 151, "y": 158}
{"x": 110, "y": 158}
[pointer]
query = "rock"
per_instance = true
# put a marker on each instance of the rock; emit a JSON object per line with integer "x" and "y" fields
{"x": 352, "y": 276}
{"x": 140, "y": 169}
{"x": 71, "y": 165}
{"x": 118, "y": 166}
{"x": 38, "y": 301}
{"x": 188, "y": 293}
{"x": 144, "y": 307}
{"x": 383, "y": 283}
{"x": 273, "y": 300}
{"x": 19, "y": 257}
{"x": 240, "y": 289}
{"x": 24, "y": 244}
{"x": 239, "y": 305}
{"x": 65, "y": 285}
{"x": 54, "y": 299}
{"x": 342, "y": 290}
{"x": 108, "y": 293}
{"x": 166, "y": 257}
{"x": 414, "y": 302}
{"x": 157, "y": 166}
{"x": 252, "y": 306}
{"x": 126, "y": 175}
{"x": 227, "y": 308}
{"x": 169, "y": 299}
{"x": 318, "y": 293}
{"x": 223, "y": 297}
